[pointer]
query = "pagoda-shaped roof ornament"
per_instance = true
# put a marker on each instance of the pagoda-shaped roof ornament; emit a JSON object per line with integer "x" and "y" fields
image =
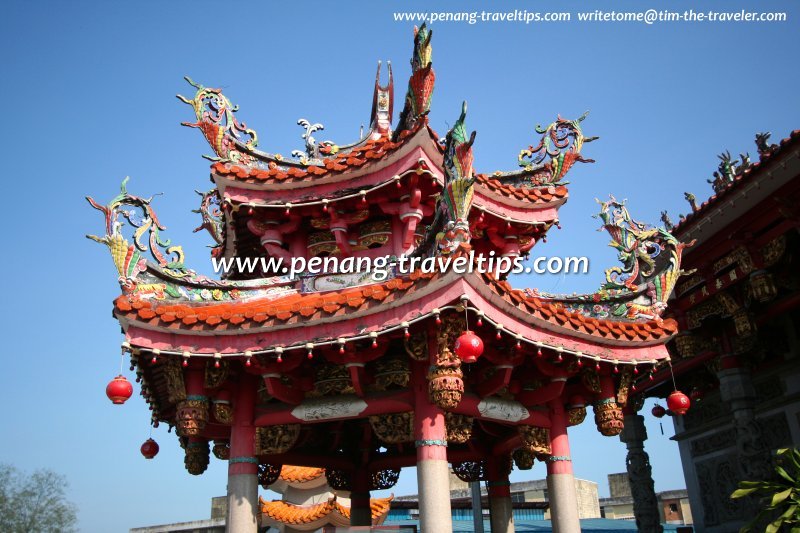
{"x": 382, "y": 105}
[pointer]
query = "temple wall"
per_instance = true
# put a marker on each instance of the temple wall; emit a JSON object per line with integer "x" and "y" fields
{"x": 588, "y": 500}
{"x": 708, "y": 446}
{"x": 619, "y": 485}
{"x": 620, "y": 512}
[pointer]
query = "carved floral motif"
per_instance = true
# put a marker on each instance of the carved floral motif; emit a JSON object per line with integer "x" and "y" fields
{"x": 197, "y": 457}
{"x": 339, "y": 479}
{"x": 536, "y": 439}
{"x": 191, "y": 417}
{"x": 459, "y": 427}
{"x": 445, "y": 378}
{"x": 223, "y": 412}
{"x": 384, "y": 479}
{"x": 470, "y": 471}
{"x": 576, "y": 415}
{"x": 625, "y": 382}
{"x": 222, "y": 450}
{"x": 391, "y": 372}
{"x": 276, "y": 439}
{"x": 773, "y": 250}
{"x": 215, "y": 377}
{"x": 591, "y": 380}
{"x": 393, "y": 428}
{"x": 417, "y": 345}
{"x": 173, "y": 375}
{"x": 331, "y": 380}
{"x": 268, "y": 474}
{"x": 523, "y": 458}
{"x": 608, "y": 417}
{"x": 762, "y": 286}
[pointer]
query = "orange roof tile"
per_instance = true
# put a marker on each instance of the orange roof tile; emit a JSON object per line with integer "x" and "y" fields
{"x": 360, "y": 155}
{"x": 291, "y": 514}
{"x": 540, "y": 194}
{"x": 261, "y": 313}
{"x": 555, "y": 313}
{"x": 299, "y": 474}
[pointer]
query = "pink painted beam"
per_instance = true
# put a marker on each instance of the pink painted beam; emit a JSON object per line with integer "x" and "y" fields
{"x": 358, "y": 377}
{"x": 331, "y": 408}
{"x": 507, "y": 446}
{"x": 500, "y": 411}
{"x": 499, "y": 380}
{"x": 277, "y": 389}
{"x": 544, "y": 394}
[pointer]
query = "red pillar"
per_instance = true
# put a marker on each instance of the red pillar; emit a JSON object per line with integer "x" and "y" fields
{"x": 500, "y": 508}
{"x": 360, "y": 511}
{"x": 433, "y": 474}
{"x": 560, "y": 480}
{"x": 243, "y": 465}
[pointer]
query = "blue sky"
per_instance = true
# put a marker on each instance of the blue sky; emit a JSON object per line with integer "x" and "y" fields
{"x": 89, "y": 98}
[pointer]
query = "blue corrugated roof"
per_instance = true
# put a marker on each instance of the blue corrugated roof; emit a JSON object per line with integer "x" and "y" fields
{"x": 603, "y": 525}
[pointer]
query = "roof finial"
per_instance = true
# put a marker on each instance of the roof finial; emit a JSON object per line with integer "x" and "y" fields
{"x": 420, "y": 84}
{"x": 382, "y": 105}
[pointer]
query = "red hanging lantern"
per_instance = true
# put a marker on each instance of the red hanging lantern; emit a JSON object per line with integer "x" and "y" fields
{"x": 658, "y": 411}
{"x": 678, "y": 402}
{"x": 149, "y": 449}
{"x": 119, "y": 390}
{"x": 469, "y": 347}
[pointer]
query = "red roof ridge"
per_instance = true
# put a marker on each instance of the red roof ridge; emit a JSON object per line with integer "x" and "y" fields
{"x": 744, "y": 176}
{"x": 557, "y": 314}
{"x": 536, "y": 193}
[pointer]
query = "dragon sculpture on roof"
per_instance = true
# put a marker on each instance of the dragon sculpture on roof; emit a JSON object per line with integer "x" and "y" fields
{"x": 456, "y": 198}
{"x": 420, "y": 84}
{"x": 640, "y": 287}
{"x": 216, "y": 119}
{"x": 561, "y": 142}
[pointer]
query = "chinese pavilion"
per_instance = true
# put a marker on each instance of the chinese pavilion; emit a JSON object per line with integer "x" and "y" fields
{"x": 738, "y": 351}
{"x": 361, "y": 377}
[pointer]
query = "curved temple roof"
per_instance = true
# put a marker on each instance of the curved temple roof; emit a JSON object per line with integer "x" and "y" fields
{"x": 300, "y": 474}
{"x": 168, "y": 307}
{"x": 311, "y": 517}
{"x": 171, "y": 298}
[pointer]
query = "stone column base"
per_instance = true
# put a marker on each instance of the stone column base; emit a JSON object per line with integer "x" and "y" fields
{"x": 563, "y": 503}
{"x": 502, "y": 514}
{"x": 242, "y": 503}
{"x": 433, "y": 477}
